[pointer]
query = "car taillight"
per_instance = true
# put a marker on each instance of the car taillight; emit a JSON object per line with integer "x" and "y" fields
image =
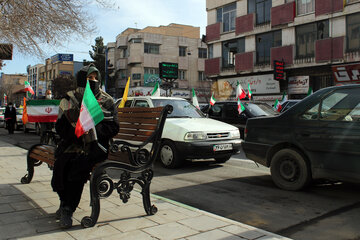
{"x": 245, "y": 133}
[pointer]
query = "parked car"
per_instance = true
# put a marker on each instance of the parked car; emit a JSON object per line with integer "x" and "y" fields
{"x": 288, "y": 104}
{"x": 227, "y": 111}
{"x": 2, "y": 118}
{"x": 318, "y": 138}
{"x": 19, "y": 122}
{"x": 34, "y": 126}
{"x": 188, "y": 134}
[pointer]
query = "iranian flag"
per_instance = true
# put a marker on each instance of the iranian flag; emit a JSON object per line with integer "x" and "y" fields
{"x": 310, "y": 91}
{"x": 241, "y": 107}
{"x": 194, "y": 99}
{"x": 156, "y": 91}
{"x": 28, "y": 88}
{"x": 5, "y": 99}
{"x": 212, "y": 100}
{"x": 250, "y": 92}
{"x": 42, "y": 110}
{"x": 90, "y": 113}
{"x": 284, "y": 98}
{"x": 277, "y": 106}
{"x": 240, "y": 92}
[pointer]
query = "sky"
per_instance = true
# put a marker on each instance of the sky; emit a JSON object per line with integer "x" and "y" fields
{"x": 111, "y": 22}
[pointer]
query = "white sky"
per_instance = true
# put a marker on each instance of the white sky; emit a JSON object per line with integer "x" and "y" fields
{"x": 111, "y": 22}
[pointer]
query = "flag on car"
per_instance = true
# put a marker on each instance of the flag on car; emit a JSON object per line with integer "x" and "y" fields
{"x": 212, "y": 100}
{"x": 250, "y": 92}
{"x": 24, "y": 117}
{"x": 284, "y": 98}
{"x": 194, "y": 99}
{"x": 310, "y": 91}
{"x": 28, "y": 88}
{"x": 42, "y": 110}
{"x": 125, "y": 95}
{"x": 156, "y": 91}
{"x": 90, "y": 113}
{"x": 240, "y": 92}
{"x": 241, "y": 107}
{"x": 277, "y": 106}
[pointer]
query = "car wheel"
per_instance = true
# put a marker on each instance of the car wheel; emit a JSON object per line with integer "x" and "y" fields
{"x": 169, "y": 156}
{"x": 289, "y": 170}
{"x": 222, "y": 159}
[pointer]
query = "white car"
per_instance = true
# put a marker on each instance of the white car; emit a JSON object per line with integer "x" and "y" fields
{"x": 188, "y": 134}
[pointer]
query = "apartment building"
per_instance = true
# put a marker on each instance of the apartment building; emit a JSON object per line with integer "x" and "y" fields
{"x": 13, "y": 86}
{"x": 318, "y": 41}
{"x": 33, "y": 75}
{"x": 138, "y": 52}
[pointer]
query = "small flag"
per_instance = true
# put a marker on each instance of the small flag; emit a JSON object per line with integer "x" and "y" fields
{"x": 240, "y": 92}
{"x": 212, "y": 100}
{"x": 277, "y": 106}
{"x": 310, "y": 91}
{"x": 156, "y": 91}
{"x": 284, "y": 98}
{"x": 250, "y": 92}
{"x": 42, "y": 110}
{"x": 5, "y": 99}
{"x": 194, "y": 99}
{"x": 125, "y": 95}
{"x": 90, "y": 113}
{"x": 241, "y": 107}
{"x": 29, "y": 88}
{"x": 24, "y": 117}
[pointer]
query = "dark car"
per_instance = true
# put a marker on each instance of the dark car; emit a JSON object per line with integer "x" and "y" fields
{"x": 288, "y": 104}
{"x": 227, "y": 111}
{"x": 318, "y": 138}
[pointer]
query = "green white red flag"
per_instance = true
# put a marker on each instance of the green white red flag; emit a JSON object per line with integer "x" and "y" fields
{"x": 250, "y": 92}
{"x": 194, "y": 99}
{"x": 90, "y": 113}
{"x": 310, "y": 91}
{"x": 212, "y": 100}
{"x": 241, "y": 107}
{"x": 28, "y": 88}
{"x": 277, "y": 106}
{"x": 5, "y": 100}
{"x": 240, "y": 92}
{"x": 42, "y": 110}
{"x": 156, "y": 91}
{"x": 284, "y": 98}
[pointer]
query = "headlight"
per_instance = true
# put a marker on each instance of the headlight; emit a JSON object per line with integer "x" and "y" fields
{"x": 235, "y": 134}
{"x": 195, "y": 136}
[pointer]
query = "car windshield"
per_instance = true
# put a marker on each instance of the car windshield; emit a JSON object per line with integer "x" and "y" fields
{"x": 182, "y": 108}
{"x": 259, "y": 109}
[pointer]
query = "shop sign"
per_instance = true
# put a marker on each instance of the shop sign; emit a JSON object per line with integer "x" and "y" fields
{"x": 298, "y": 85}
{"x": 168, "y": 70}
{"x": 346, "y": 74}
{"x": 62, "y": 58}
{"x": 180, "y": 93}
{"x": 151, "y": 79}
{"x": 279, "y": 70}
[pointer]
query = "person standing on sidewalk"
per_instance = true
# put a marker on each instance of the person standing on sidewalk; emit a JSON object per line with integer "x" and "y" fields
{"x": 76, "y": 157}
{"x": 10, "y": 117}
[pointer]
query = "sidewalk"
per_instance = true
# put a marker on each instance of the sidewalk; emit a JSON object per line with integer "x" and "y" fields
{"x": 27, "y": 212}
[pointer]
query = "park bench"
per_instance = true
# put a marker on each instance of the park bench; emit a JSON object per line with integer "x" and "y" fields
{"x": 132, "y": 154}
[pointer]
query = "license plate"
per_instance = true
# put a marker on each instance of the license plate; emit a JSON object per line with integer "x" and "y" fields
{"x": 222, "y": 147}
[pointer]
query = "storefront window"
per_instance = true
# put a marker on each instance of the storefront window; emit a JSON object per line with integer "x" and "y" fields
{"x": 353, "y": 32}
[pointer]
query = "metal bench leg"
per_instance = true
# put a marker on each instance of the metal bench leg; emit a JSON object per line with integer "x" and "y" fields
{"x": 145, "y": 192}
{"x": 30, "y": 168}
{"x": 90, "y": 221}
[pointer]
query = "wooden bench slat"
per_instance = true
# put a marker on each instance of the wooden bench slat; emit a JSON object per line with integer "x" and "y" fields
{"x": 135, "y": 132}
{"x": 140, "y": 115}
{"x": 46, "y": 148}
{"x": 140, "y": 109}
{"x": 131, "y": 138}
{"x": 138, "y": 120}
{"x": 41, "y": 158}
{"x": 137, "y": 126}
{"x": 44, "y": 154}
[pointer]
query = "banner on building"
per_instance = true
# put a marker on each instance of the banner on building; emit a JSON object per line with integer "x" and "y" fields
{"x": 346, "y": 74}
{"x": 298, "y": 85}
{"x": 151, "y": 79}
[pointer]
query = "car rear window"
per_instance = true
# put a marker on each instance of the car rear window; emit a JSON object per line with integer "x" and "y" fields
{"x": 259, "y": 109}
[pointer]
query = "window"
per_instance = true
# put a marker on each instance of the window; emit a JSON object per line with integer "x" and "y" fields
{"x": 136, "y": 76}
{"x": 305, "y": 6}
{"x": 211, "y": 51}
{"x": 262, "y": 10}
{"x": 151, "y": 71}
{"x": 182, "y": 51}
{"x": 122, "y": 74}
{"x": 264, "y": 43}
{"x": 306, "y": 35}
{"x": 202, "y": 53}
{"x": 136, "y": 40}
{"x": 353, "y": 32}
{"x": 151, "y": 48}
{"x": 124, "y": 53}
{"x": 182, "y": 74}
{"x": 229, "y": 49}
{"x": 227, "y": 15}
{"x": 201, "y": 76}
{"x": 141, "y": 103}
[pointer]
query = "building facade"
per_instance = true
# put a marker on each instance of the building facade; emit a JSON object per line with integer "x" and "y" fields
{"x": 317, "y": 41}
{"x": 138, "y": 52}
{"x": 38, "y": 86}
{"x": 13, "y": 86}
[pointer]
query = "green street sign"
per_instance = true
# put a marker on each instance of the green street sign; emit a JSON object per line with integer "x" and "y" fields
{"x": 168, "y": 70}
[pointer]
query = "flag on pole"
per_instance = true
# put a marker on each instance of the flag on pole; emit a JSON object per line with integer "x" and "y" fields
{"x": 5, "y": 99}
{"x": 90, "y": 113}
{"x": 284, "y": 98}
{"x": 241, "y": 107}
{"x": 41, "y": 110}
{"x": 125, "y": 95}
{"x": 156, "y": 91}
{"x": 29, "y": 88}
{"x": 277, "y": 106}
{"x": 310, "y": 91}
{"x": 212, "y": 100}
{"x": 250, "y": 92}
{"x": 194, "y": 99}
{"x": 240, "y": 92}
{"x": 24, "y": 117}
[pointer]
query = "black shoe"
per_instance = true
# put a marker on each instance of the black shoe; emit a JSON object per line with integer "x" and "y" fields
{"x": 65, "y": 217}
{"x": 58, "y": 212}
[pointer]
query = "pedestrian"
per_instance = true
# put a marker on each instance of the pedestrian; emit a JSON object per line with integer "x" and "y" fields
{"x": 10, "y": 117}
{"x": 76, "y": 157}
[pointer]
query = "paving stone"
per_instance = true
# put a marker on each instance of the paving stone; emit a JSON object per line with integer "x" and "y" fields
{"x": 50, "y": 235}
{"x": 247, "y": 233}
{"x": 130, "y": 224}
{"x": 134, "y": 235}
{"x": 5, "y": 208}
{"x": 12, "y": 199}
{"x": 203, "y": 223}
{"x": 16, "y": 230}
{"x": 213, "y": 235}
{"x": 166, "y": 216}
{"x": 170, "y": 231}
{"x": 96, "y": 232}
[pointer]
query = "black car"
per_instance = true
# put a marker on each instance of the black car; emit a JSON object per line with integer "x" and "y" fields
{"x": 288, "y": 104}
{"x": 318, "y": 138}
{"x": 227, "y": 111}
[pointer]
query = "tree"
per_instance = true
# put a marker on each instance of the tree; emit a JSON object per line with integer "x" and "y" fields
{"x": 31, "y": 23}
{"x": 63, "y": 84}
{"x": 2, "y": 64}
{"x": 98, "y": 55}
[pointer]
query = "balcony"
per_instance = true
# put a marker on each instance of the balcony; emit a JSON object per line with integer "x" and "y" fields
{"x": 283, "y": 14}
{"x": 284, "y": 53}
{"x": 212, "y": 66}
{"x": 329, "y": 49}
{"x": 213, "y": 32}
{"x": 328, "y": 6}
{"x": 244, "y": 24}
{"x": 244, "y": 61}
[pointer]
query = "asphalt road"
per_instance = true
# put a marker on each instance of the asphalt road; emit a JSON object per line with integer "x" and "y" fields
{"x": 244, "y": 192}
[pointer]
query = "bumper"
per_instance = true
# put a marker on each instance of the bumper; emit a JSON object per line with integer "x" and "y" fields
{"x": 256, "y": 152}
{"x": 204, "y": 150}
